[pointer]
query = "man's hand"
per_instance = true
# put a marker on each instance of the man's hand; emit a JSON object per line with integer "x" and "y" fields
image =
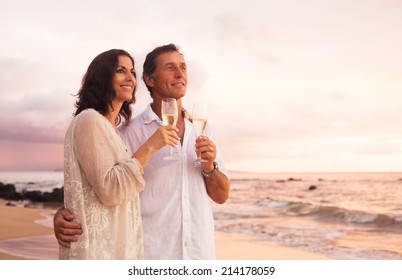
{"x": 218, "y": 185}
{"x": 207, "y": 149}
{"x": 64, "y": 229}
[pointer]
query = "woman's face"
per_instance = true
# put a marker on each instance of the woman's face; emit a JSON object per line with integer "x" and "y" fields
{"x": 124, "y": 80}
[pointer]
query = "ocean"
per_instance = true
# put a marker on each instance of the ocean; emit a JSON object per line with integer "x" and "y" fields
{"x": 356, "y": 216}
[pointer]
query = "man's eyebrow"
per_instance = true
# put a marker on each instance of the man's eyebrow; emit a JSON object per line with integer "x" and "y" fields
{"x": 174, "y": 63}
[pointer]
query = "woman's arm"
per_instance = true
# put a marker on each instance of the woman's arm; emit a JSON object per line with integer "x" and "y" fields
{"x": 115, "y": 179}
{"x": 166, "y": 135}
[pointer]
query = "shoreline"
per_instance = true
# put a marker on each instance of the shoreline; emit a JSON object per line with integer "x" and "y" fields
{"x": 240, "y": 247}
{"x": 18, "y": 223}
{"x": 28, "y": 235}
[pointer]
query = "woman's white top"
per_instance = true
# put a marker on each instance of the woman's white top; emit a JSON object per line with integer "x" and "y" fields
{"x": 102, "y": 183}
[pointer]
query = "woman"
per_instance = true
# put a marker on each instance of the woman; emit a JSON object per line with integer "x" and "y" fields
{"x": 102, "y": 181}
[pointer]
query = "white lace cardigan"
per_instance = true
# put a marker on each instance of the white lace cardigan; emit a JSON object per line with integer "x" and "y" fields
{"x": 102, "y": 183}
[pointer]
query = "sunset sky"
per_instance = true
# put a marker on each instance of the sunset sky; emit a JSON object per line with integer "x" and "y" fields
{"x": 292, "y": 86}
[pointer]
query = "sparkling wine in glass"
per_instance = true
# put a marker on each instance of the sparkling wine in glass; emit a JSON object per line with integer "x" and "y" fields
{"x": 170, "y": 115}
{"x": 200, "y": 116}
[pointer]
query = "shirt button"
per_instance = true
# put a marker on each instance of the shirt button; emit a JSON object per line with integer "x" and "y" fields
{"x": 186, "y": 244}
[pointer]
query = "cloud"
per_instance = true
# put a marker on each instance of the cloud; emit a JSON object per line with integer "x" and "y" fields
{"x": 235, "y": 34}
{"x": 36, "y": 117}
{"x": 198, "y": 76}
{"x": 35, "y": 104}
{"x": 16, "y": 155}
{"x": 16, "y": 74}
{"x": 25, "y": 132}
{"x": 309, "y": 127}
{"x": 275, "y": 92}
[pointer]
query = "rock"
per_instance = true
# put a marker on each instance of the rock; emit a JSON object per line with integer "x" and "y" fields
{"x": 8, "y": 192}
{"x": 293, "y": 179}
{"x": 57, "y": 195}
{"x": 311, "y": 188}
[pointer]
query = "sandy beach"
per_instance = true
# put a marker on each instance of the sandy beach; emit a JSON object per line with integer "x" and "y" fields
{"x": 27, "y": 234}
{"x": 237, "y": 247}
{"x": 18, "y": 227}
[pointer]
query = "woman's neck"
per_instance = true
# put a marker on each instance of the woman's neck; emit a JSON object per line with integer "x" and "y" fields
{"x": 113, "y": 113}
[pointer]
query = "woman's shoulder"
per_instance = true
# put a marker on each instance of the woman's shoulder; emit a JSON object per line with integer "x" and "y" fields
{"x": 88, "y": 114}
{"x": 88, "y": 117}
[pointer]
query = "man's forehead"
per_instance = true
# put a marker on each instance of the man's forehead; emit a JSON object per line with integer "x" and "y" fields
{"x": 171, "y": 57}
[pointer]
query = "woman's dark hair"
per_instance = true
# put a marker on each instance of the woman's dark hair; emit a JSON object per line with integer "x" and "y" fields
{"x": 97, "y": 90}
{"x": 150, "y": 60}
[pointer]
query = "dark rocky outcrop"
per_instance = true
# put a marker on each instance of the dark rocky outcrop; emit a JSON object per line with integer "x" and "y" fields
{"x": 294, "y": 179}
{"x": 8, "y": 192}
{"x": 312, "y": 188}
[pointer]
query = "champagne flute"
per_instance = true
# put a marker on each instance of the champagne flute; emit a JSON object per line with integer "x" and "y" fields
{"x": 200, "y": 115}
{"x": 170, "y": 115}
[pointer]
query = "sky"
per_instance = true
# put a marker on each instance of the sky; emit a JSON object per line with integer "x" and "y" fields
{"x": 291, "y": 86}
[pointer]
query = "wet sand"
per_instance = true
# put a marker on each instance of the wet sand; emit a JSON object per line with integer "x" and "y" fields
{"x": 27, "y": 234}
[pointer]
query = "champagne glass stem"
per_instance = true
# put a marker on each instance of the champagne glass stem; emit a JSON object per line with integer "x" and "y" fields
{"x": 200, "y": 116}
{"x": 169, "y": 117}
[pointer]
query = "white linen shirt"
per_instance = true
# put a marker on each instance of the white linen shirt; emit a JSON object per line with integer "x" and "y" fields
{"x": 175, "y": 207}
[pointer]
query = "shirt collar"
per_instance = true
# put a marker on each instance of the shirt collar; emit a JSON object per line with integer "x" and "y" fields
{"x": 150, "y": 116}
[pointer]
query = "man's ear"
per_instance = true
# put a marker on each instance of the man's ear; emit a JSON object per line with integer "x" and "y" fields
{"x": 148, "y": 80}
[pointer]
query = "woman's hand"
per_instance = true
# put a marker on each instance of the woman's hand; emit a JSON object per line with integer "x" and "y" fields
{"x": 165, "y": 135}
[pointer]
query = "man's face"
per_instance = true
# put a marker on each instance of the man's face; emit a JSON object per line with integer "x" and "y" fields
{"x": 170, "y": 76}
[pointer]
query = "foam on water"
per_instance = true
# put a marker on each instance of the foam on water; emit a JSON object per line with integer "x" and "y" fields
{"x": 35, "y": 247}
{"x": 345, "y": 216}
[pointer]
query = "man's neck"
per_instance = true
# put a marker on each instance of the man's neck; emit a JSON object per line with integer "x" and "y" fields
{"x": 156, "y": 106}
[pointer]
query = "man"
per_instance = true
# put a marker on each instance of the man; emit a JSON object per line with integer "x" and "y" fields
{"x": 175, "y": 204}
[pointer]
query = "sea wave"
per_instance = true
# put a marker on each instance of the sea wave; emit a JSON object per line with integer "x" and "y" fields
{"x": 334, "y": 213}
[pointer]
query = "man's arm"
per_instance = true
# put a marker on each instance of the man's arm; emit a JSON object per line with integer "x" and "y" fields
{"x": 64, "y": 229}
{"x": 218, "y": 185}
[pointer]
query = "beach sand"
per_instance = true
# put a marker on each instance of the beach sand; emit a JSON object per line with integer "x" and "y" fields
{"x": 17, "y": 226}
{"x": 237, "y": 247}
{"x": 23, "y": 237}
